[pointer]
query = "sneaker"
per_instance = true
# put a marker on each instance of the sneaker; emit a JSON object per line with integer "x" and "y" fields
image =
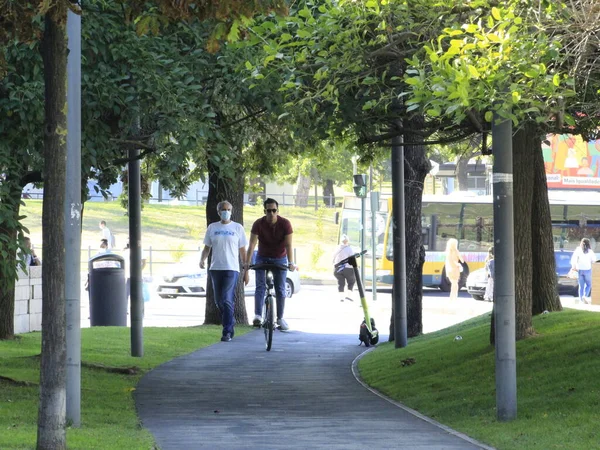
{"x": 257, "y": 322}
{"x": 282, "y": 324}
{"x": 226, "y": 338}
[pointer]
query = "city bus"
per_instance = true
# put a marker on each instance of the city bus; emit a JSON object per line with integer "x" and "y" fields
{"x": 469, "y": 219}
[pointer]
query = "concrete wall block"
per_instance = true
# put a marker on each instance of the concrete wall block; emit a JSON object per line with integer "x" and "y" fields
{"x": 35, "y": 272}
{"x": 23, "y": 280}
{"x": 22, "y": 324}
{"x": 21, "y": 307}
{"x": 37, "y": 291}
{"x": 35, "y": 305}
{"x": 35, "y": 322}
{"x": 22, "y": 292}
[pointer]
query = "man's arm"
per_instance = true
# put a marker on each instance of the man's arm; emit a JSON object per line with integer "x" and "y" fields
{"x": 251, "y": 245}
{"x": 289, "y": 251}
{"x": 205, "y": 252}
{"x": 245, "y": 267}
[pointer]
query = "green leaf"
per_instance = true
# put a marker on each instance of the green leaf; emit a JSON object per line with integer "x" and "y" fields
{"x": 496, "y": 13}
{"x": 556, "y": 79}
{"x": 489, "y": 116}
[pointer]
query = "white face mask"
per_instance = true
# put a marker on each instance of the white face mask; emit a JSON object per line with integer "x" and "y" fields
{"x": 225, "y": 215}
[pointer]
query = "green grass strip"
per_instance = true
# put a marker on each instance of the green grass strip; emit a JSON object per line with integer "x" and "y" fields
{"x": 108, "y": 416}
{"x": 453, "y": 381}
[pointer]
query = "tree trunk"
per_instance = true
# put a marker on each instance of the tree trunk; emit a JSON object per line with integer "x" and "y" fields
{"x": 51, "y": 433}
{"x": 302, "y": 190}
{"x": 10, "y": 202}
{"x": 544, "y": 289}
{"x": 523, "y": 165}
{"x": 328, "y": 195}
{"x": 461, "y": 171}
{"x": 416, "y": 167}
{"x": 220, "y": 189}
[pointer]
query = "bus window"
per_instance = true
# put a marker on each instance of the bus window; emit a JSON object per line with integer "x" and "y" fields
{"x": 448, "y": 222}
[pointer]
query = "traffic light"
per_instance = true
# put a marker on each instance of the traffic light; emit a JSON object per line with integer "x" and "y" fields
{"x": 360, "y": 185}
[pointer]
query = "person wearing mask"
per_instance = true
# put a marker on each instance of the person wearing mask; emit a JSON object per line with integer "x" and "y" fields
{"x": 581, "y": 261}
{"x": 345, "y": 275}
{"x": 274, "y": 236}
{"x": 454, "y": 268}
{"x": 227, "y": 242}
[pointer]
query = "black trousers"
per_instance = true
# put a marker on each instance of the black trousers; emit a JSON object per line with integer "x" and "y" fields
{"x": 345, "y": 276}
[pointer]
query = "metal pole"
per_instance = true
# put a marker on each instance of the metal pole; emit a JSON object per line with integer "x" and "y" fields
{"x": 135, "y": 255}
{"x": 73, "y": 221}
{"x": 363, "y": 243}
{"x": 504, "y": 276}
{"x": 399, "y": 291}
{"x": 374, "y": 209}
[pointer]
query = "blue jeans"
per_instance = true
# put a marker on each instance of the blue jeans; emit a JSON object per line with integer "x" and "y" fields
{"x": 224, "y": 282}
{"x": 585, "y": 283}
{"x": 279, "y": 277}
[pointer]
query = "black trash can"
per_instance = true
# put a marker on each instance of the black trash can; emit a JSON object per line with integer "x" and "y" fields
{"x": 108, "y": 296}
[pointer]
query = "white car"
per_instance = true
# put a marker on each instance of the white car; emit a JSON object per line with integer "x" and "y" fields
{"x": 186, "y": 279}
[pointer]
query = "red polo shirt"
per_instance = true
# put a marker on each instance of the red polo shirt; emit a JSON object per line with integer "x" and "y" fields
{"x": 271, "y": 237}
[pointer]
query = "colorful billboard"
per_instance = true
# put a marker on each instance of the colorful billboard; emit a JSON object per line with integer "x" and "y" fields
{"x": 571, "y": 163}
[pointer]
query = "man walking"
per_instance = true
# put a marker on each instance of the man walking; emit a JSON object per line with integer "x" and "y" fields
{"x": 106, "y": 234}
{"x": 274, "y": 236}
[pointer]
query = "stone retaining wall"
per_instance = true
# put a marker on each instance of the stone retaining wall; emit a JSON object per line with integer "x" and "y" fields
{"x": 28, "y": 301}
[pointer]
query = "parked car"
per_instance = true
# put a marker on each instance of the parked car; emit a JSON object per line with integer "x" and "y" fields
{"x": 186, "y": 279}
{"x": 477, "y": 280}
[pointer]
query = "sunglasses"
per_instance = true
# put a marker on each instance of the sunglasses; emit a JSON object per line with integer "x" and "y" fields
{"x": 271, "y": 210}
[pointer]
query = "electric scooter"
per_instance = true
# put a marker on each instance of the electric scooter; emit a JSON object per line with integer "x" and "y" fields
{"x": 368, "y": 334}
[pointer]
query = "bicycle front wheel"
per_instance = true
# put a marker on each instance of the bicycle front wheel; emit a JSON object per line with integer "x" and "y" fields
{"x": 269, "y": 321}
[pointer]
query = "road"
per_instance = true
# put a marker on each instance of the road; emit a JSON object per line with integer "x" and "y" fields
{"x": 316, "y": 308}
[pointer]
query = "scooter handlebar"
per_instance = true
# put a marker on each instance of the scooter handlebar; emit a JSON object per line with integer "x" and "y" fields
{"x": 349, "y": 259}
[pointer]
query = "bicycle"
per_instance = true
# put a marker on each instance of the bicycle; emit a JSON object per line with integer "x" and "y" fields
{"x": 368, "y": 334}
{"x": 268, "y": 314}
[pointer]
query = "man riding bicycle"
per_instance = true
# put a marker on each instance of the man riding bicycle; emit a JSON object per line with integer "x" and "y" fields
{"x": 274, "y": 235}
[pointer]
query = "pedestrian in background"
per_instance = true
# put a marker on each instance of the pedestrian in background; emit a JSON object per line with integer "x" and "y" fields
{"x": 454, "y": 268}
{"x": 106, "y": 234}
{"x": 489, "y": 269}
{"x": 344, "y": 275}
{"x": 227, "y": 242}
{"x": 581, "y": 261}
{"x": 31, "y": 259}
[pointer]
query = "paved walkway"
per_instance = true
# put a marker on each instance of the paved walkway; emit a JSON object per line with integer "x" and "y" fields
{"x": 301, "y": 395}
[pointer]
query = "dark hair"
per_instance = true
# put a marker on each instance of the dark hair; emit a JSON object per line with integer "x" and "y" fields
{"x": 269, "y": 201}
{"x": 585, "y": 245}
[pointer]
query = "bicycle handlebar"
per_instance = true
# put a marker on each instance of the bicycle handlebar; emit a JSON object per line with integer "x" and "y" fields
{"x": 343, "y": 262}
{"x": 267, "y": 266}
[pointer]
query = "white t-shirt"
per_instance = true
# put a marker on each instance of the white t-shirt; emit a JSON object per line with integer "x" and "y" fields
{"x": 343, "y": 252}
{"x": 106, "y": 234}
{"x": 583, "y": 261}
{"x": 225, "y": 241}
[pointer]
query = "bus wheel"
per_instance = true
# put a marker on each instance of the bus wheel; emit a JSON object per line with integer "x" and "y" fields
{"x": 445, "y": 285}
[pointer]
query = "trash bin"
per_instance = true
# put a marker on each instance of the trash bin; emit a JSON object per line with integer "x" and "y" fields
{"x": 108, "y": 296}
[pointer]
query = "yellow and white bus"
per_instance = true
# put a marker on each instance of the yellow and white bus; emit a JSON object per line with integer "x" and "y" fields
{"x": 469, "y": 219}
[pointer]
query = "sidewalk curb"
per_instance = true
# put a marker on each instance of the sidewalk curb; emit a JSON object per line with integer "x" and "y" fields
{"x": 317, "y": 282}
{"x": 410, "y": 410}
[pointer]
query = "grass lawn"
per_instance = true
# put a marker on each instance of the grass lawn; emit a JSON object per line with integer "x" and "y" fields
{"x": 453, "y": 381}
{"x": 109, "y": 419}
{"x": 174, "y": 232}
